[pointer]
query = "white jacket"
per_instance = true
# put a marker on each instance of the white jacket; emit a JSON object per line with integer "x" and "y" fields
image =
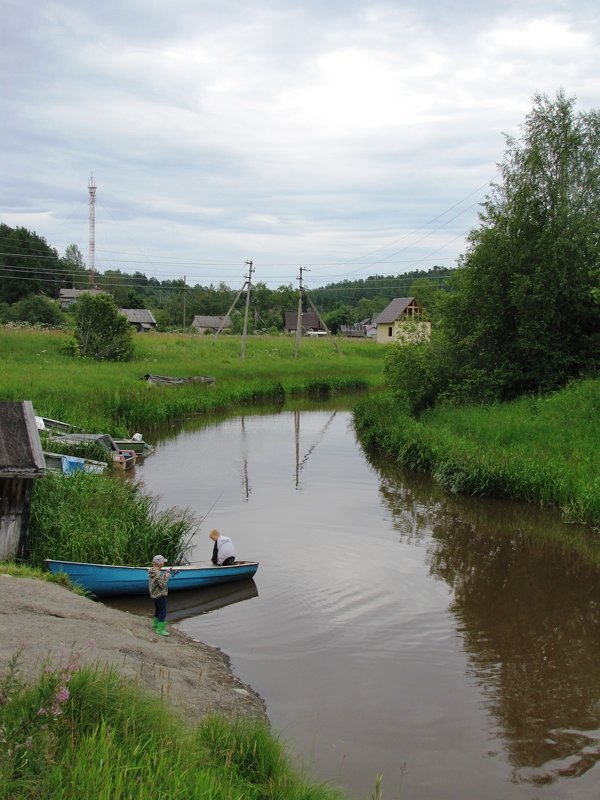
{"x": 225, "y": 548}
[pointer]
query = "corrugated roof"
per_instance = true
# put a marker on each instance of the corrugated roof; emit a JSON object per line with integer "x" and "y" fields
{"x": 20, "y": 449}
{"x": 391, "y": 312}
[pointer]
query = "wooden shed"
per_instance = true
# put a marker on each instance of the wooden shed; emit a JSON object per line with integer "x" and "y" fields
{"x": 21, "y": 462}
{"x": 140, "y": 318}
{"x": 207, "y": 324}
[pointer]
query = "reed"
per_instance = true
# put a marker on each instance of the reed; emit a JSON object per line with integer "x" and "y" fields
{"x": 112, "y": 397}
{"x": 86, "y": 734}
{"x": 100, "y": 519}
{"x": 540, "y": 450}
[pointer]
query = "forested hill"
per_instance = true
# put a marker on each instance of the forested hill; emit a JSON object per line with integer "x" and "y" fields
{"x": 384, "y": 287}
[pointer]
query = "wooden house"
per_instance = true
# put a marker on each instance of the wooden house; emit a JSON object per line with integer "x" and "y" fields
{"x": 140, "y": 318}
{"x": 21, "y": 462}
{"x": 207, "y": 324}
{"x": 310, "y": 322}
{"x": 402, "y": 321}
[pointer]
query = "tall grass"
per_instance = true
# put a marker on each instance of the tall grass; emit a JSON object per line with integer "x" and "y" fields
{"x": 113, "y": 398}
{"x": 103, "y": 520}
{"x": 84, "y": 734}
{"x": 541, "y": 450}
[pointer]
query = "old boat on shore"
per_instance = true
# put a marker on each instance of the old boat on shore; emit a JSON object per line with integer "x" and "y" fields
{"x": 110, "y": 579}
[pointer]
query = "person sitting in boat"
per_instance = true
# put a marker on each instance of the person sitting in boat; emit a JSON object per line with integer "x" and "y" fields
{"x": 223, "y": 550}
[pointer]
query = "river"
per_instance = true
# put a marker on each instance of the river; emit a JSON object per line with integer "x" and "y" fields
{"x": 449, "y": 644}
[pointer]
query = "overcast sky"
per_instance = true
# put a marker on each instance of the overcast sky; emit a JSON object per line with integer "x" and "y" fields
{"x": 349, "y": 137}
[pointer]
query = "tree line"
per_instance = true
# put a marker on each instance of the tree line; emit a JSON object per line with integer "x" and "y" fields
{"x": 32, "y": 273}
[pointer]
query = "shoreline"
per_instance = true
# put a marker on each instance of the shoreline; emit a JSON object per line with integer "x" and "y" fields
{"x": 43, "y": 621}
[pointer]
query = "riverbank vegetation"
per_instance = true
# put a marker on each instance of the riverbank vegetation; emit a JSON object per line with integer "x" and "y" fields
{"x": 86, "y": 733}
{"x": 519, "y": 322}
{"x": 100, "y": 519}
{"x": 541, "y": 449}
{"x": 111, "y": 397}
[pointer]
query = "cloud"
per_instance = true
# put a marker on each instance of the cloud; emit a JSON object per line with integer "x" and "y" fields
{"x": 283, "y": 132}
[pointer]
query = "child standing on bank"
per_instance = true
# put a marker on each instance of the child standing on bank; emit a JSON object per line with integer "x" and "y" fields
{"x": 158, "y": 584}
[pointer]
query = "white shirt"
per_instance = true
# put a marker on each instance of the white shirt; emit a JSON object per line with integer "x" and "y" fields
{"x": 225, "y": 548}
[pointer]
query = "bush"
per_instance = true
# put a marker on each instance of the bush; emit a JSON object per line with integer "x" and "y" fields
{"x": 101, "y": 331}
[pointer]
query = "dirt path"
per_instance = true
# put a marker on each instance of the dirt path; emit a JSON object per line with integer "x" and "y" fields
{"x": 49, "y": 621}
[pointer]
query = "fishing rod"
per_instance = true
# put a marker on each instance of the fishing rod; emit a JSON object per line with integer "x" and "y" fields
{"x": 201, "y": 520}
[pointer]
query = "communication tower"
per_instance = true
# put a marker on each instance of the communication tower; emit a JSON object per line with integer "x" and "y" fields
{"x": 92, "y": 242}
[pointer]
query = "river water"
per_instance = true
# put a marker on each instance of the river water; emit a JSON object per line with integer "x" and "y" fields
{"x": 451, "y": 645}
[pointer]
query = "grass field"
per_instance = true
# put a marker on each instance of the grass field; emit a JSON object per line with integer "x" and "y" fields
{"x": 112, "y": 397}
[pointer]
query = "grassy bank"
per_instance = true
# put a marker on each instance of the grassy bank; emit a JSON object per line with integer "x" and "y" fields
{"x": 84, "y": 734}
{"x": 540, "y": 450}
{"x": 112, "y": 397}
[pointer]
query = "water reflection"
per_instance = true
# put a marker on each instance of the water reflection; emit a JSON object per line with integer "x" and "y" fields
{"x": 191, "y": 603}
{"x": 396, "y": 623}
{"x": 528, "y": 611}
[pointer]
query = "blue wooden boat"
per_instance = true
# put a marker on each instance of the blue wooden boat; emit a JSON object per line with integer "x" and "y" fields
{"x": 107, "y": 579}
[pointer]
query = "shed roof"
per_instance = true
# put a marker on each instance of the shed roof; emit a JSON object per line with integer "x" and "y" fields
{"x": 310, "y": 319}
{"x": 392, "y": 311}
{"x": 21, "y": 453}
{"x": 138, "y": 316}
{"x": 203, "y": 321}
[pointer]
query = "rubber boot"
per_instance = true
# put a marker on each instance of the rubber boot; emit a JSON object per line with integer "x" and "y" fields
{"x": 161, "y": 629}
{"x": 155, "y": 623}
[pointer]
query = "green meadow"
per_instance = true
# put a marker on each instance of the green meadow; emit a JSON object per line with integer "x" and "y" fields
{"x": 112, "y": 397}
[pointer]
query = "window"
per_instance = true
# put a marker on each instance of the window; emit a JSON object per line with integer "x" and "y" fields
{"x": 390, "y": 330}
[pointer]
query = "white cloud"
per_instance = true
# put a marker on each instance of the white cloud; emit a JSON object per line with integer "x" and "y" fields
{"x": 288, "y": 133}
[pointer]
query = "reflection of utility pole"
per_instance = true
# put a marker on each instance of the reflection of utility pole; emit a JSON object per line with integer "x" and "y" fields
{"x": 299, "y": 315}
{"x": 245, "y": 479}
{"x": 300, "y": 463}
{"x": 297, "y": 440}
{"x": 249, "y": 285}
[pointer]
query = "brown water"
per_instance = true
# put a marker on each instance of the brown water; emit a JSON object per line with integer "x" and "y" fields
{"x": 450, "y": 644}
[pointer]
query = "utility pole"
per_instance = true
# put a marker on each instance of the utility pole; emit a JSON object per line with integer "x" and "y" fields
{"x": 231, "y": 307}
{"x": 322, "y": 322}
{"x": 299, "y": 315}
{"x": 184, "y": 284}
{"x": 249, "y": 285}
